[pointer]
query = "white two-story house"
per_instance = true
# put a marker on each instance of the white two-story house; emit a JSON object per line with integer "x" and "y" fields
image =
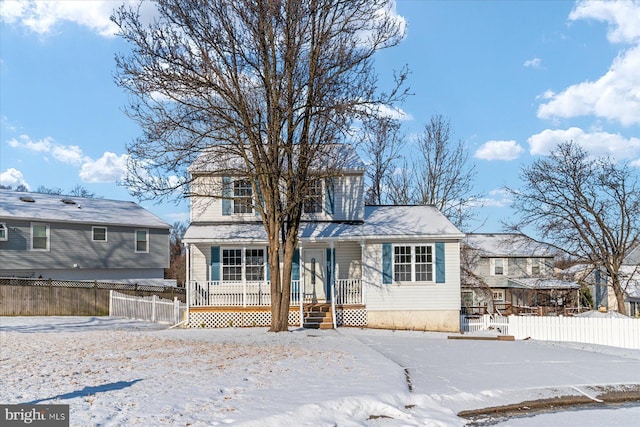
{"x": 375, "y": 266}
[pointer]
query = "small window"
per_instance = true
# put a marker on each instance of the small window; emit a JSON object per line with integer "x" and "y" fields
{"x": 535, "y": 267}
{"x": 4, "y": 231}
{"x": 313, "y": 201}
{"x": 242, "y": 197}
{"x": 498, "y": 267}
{"x": 498, "y": 296}
{"x": 142, "y": 240}
{"x": 39, "y": 237}
{"x": 99, "y": 234}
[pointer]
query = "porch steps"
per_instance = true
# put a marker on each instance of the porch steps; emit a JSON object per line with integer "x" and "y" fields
{"x": 318, "y": 316}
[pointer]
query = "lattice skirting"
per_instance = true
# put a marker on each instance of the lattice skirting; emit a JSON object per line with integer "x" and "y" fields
{"x": 351, "y": 316}
{"x": 229, "y": 319}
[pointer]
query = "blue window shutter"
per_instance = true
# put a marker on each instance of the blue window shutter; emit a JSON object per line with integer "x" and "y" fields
{"x": 215, "y": 263}
{"x": 295, "y": 267}
{"x": 440, "y": 262}
{"x": 387, "y": 264}
{"x": 227, "y": 191}
{"x": 331, "y": 269}
{"x": 268, "y": 274}
{"x": 329, "y": 200}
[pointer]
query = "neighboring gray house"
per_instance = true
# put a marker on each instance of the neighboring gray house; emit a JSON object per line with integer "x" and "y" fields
{"x": 75, "y": 238}
{"x": 376, "y": 266}
{"x": 512, "y": 273}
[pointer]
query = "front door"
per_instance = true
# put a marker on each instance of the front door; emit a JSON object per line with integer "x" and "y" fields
{"x": 314, "y": 276}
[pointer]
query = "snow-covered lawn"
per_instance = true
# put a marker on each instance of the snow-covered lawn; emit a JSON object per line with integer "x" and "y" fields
{"x": 118, "y": 372}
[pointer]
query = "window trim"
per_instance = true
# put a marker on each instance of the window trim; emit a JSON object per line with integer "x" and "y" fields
{"x": 135, "y": 241}
{"x": 495, "y": 292}
{"x": 413, "y": 272}
{"x": 505, "y": 267}
{"x": 93, "y": 235}
{"x": 47, "y": 237}
{"x": 5, "y": 229}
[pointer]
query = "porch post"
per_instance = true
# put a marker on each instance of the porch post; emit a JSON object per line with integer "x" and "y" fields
{"x": 301, "y": 285}
{"x": 244, "y": 276}
{"x": 187, "y": 276}
{"x": 333, "y": 284}
{"x": 362, "y": 287}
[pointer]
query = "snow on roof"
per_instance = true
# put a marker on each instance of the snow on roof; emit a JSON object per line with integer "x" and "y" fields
{"x": 633, "y": 257}
{"x": 541, "y": 283}
{"x": 509, "y": 245}
{"x": 56, "y": 208}
{"x": 380, "y": 222}
{"x": 222, "y": 158}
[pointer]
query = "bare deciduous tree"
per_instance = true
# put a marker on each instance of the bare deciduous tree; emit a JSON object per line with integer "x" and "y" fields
{"x": 444, "y": 175}
{"x": 273, "y": 83}
{"x": 382, "y": 142}
{"x": 589, "y": 207}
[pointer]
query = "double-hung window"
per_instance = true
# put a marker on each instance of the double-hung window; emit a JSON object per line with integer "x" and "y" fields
{"x": 39, "y": 236}
{"x": 242, "y": 197}
{"x": 413, "y": 263}
{"x": 313, "y": 200}
{"x": 498, "y": 266}
{"x": 4, "y": 231}
{"x": 142, "y": 241}
{"x": 239, "y": 264}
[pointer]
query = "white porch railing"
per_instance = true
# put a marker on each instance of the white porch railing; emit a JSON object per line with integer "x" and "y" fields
{"x": 254, "y": 294}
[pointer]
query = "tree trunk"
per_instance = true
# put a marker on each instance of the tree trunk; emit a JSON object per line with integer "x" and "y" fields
{"x": 619, "y": 292}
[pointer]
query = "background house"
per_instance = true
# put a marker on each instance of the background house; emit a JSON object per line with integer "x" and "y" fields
{"x": 513, "y": 273}
{"x": 74, "y": 238}
{"x": 376, "y": 266}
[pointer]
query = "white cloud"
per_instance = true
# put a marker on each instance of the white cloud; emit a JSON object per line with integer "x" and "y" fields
{"x": 498, "y": 198}
{"x": 109, "y": 168}
{"x": 13, "y": 178}
{"x": 615, "y": 95}
{"x": 70, "y": 154}
{"x": 596, "y": 142}
{"x": 42, "y": 16}
{"x": 499, "y": 150}
{"x": 533, "y": 63}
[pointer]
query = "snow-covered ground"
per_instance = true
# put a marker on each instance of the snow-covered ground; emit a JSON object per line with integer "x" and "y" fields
{"x": 119, "y": 372}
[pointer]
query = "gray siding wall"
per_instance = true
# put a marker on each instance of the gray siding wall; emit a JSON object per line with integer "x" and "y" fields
{"x": 71, "y": 244}
{"x": 516, "y": 267}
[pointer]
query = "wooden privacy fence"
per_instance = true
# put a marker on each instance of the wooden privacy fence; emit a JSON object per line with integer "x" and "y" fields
{"x": 152, "y": 309}
{"x": 41, "y": 297}
{"x": 611, "y": 331}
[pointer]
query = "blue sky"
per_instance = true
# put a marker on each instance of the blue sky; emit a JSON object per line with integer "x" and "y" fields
{"x": 514, "y": 79}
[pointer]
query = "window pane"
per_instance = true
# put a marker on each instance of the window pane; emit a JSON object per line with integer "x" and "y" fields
{"x": 39, "y": 238}
{"x": 424, "y": 264}
{"x": 242, "y": 191}
{"x": 499, "y": 267}
{"x": 313, "y": 200}
{"x": 254, "y": 260}
{"x": 232, "y": 264}
{"x": 141, "y": 241}
{"x": 402, "y": 263}
{"x": 99, "y": 233}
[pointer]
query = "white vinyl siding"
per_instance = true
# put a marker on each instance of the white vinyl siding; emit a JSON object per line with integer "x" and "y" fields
{"x": 418, "y": 296}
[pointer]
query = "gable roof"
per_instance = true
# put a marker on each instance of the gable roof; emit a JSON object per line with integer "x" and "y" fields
{"x": 380, "y": 222}
{"x": 71, "y": 209}
{"x": 507, "y": 245}
{"x": 224, "y": 159}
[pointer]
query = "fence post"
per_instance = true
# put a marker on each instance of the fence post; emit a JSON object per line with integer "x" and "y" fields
{"x": 110, "y": 302}
{"x": 176, "y": 310}
{"x": 153, "y": 308}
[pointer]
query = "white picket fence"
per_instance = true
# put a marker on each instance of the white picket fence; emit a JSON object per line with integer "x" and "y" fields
{"x": 152, "y": 308}
{"x": 611, "y": 331}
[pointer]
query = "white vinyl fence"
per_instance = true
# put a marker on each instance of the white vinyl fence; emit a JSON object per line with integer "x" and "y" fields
{"x": 152, "y": 309}
{"x": 612, "y": 331}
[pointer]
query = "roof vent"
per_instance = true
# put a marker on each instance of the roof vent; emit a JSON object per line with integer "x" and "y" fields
{"x": 68, "y": 202}
{"x": 27, "y": 199}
